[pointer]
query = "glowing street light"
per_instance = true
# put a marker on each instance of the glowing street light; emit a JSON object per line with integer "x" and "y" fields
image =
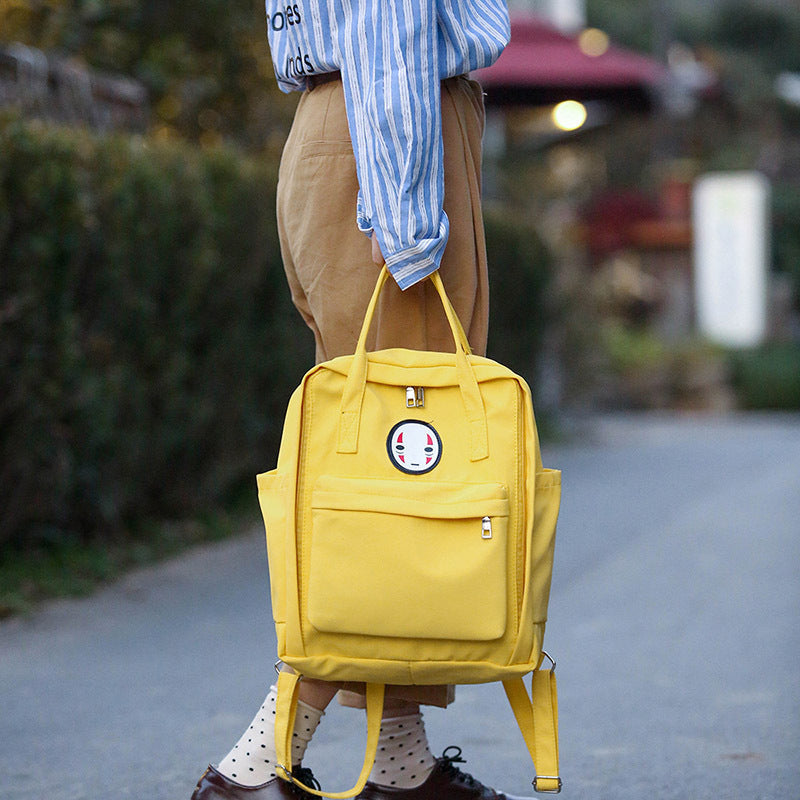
{"x": 569, "y": 115}
{"x": 593, "y": 42}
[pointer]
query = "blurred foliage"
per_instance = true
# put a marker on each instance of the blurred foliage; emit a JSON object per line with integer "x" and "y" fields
{"x": 766, "y": 33}
{"x": 786, "y": 233}
{"x": 630, "y": 348}
{"x": 626, "y": 21}
{"x": 148, "y": 344}
{"x": 519, "y": 277}
{"x": 769, "y": 34}
{"x": 645, "y": 371}
{"x": 746, "y": 43}
{"x": 768, "y": 377}
{"x": 207, "y": 67}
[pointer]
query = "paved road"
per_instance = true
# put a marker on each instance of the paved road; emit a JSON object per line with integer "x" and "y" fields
{"x": 674, "y": 619}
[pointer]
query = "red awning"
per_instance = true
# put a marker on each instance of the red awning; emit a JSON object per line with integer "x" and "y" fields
{"x": 543, "y": 65}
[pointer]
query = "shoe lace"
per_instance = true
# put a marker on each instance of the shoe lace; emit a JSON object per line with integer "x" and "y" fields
{"x": 306, "y": 776}
{"x": 449, "y": 762}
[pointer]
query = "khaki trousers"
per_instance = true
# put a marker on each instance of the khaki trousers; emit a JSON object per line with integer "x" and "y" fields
{"x": 328, "y": 261}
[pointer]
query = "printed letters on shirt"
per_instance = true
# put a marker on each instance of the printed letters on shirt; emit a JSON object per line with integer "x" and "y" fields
{"x": 299, "y": 63}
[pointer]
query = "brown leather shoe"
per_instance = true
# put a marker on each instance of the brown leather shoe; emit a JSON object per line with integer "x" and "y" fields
{"x": 446, "y": 782}
{"x": 213, "y": 785}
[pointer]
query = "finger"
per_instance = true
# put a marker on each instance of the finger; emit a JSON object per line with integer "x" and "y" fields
{"x": 377, "y": 256}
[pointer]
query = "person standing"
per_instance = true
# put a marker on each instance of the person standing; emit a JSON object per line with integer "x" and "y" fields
{"x": 382, "y": 165}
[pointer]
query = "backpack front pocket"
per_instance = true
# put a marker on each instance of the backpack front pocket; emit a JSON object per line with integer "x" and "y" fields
{"x": 409, "y": 559}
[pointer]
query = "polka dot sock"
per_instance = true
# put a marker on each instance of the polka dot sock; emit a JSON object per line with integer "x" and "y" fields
{"x": 403, "y": 760}
{"x": 253, "y": 760}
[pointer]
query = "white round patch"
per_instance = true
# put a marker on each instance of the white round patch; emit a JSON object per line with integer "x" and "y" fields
{"x": 414, "y": 447}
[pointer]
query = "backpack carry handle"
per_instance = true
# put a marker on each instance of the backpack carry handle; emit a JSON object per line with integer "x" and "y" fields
{"x": 456, "y": 327}
{"x": 355, "y": 384}
{"x": 452, "y": 318}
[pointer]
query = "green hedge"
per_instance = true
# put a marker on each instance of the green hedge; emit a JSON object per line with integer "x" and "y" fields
{"x": 519, "y": 277}
{"x": 768, "y": 377}
{"x": 147, "y": 347}
{"x": 148, "y": 344}
{"x": 786, "y": 233}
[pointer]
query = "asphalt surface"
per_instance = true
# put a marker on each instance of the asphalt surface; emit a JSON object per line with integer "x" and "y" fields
{"x": 673, "y": 618}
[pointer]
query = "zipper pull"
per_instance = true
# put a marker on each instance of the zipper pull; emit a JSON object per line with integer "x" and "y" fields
{"x": 415, "y": 397}
{"x": 486, "y": 528}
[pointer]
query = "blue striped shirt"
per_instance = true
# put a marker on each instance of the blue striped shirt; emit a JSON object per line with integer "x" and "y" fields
{"x": 392, "y": 55}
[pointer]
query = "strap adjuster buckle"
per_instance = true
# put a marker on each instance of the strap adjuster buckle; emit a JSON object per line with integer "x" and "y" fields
{"x": 538, "y": 778}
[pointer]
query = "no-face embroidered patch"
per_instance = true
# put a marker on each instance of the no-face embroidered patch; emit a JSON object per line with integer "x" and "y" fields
{"x": 414, "y": 447}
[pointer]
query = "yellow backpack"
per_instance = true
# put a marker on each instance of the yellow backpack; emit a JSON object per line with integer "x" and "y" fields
{"x": 410, "y": 530}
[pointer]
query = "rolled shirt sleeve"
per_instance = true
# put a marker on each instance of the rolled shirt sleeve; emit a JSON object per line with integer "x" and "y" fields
{"x": 392, "y": 55}
{"x": 390, "y": 73}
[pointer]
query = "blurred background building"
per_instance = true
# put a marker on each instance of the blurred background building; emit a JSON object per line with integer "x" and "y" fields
{"x": 65, "y": 91}
{"x": 568, "y": 16}
{"x": 613, "y": 143}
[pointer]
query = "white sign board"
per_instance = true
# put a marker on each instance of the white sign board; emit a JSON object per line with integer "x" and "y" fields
{"x": 567, "y": 15}
{"x": 731, "y": 256}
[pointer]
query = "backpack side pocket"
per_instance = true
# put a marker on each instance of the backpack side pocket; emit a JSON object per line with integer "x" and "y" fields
{"x": 272, "y": 497}
{"x": 545, "y": 515}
